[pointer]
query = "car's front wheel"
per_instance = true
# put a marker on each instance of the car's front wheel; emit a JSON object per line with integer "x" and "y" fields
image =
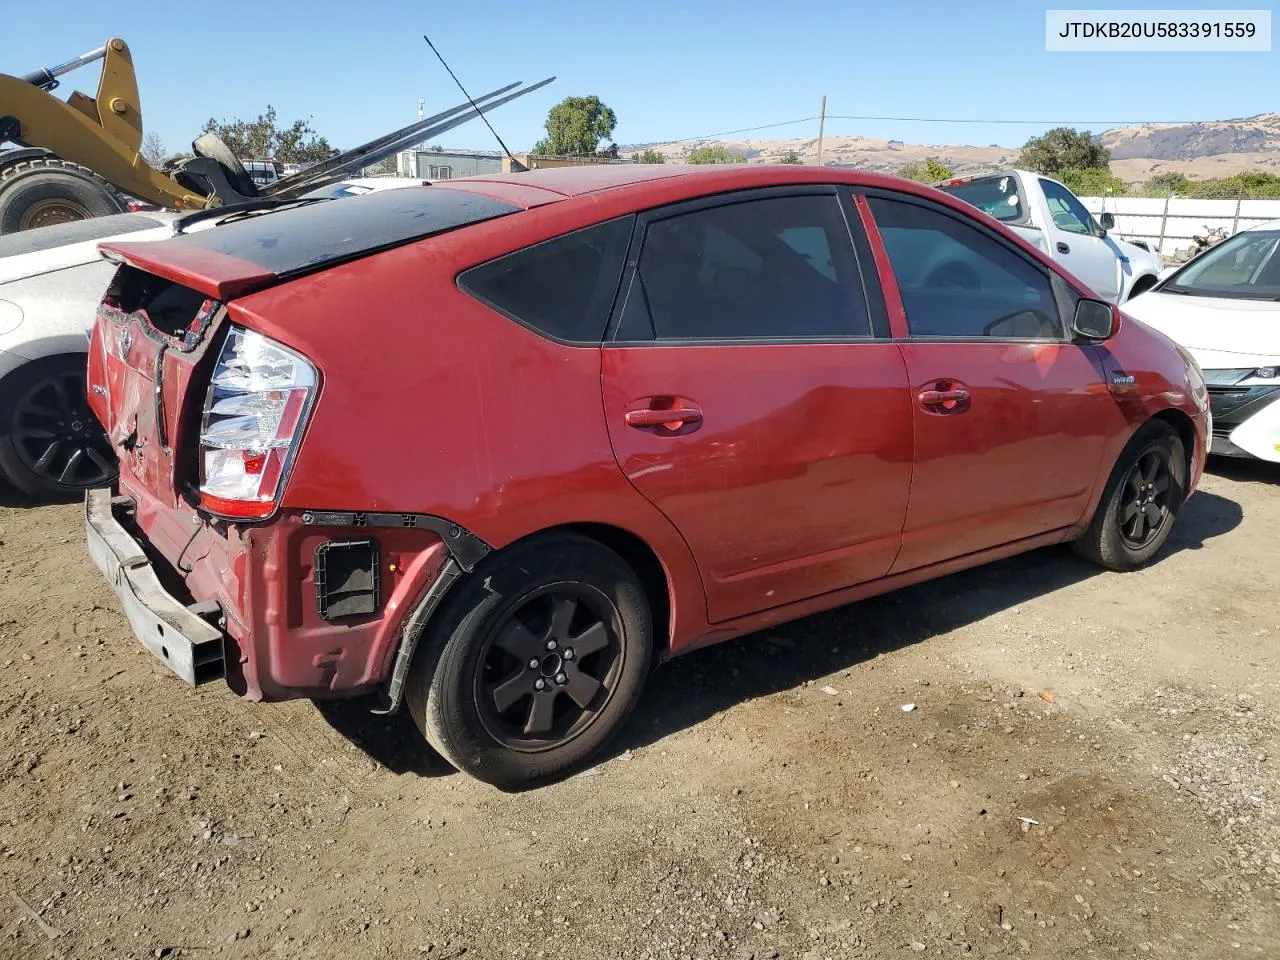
{"x": 1140, "y": 501}
{"x": 51, "y": 445}
{"x": 535, "y": 659}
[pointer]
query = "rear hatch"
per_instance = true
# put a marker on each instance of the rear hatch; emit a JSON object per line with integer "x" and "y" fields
{"x": 154, "y": 339}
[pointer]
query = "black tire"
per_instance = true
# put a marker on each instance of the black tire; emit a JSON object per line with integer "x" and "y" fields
{"x": 212, "y": 147}
{"x": 48, "y": 190}
{"x": 491, "y": 643}
{"x": 1118, "y": 538}
{"x": 81, "y": 456}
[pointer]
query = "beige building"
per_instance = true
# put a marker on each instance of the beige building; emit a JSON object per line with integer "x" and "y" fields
{"x": 535, "y": 161}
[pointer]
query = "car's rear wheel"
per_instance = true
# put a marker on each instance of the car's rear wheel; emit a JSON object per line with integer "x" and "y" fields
{"x": 51, "y": 445}
{"x": 1140, "y": 502}
{"x": 535, "y": 660}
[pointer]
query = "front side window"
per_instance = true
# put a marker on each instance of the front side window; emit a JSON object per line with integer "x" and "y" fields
{"x": 958, "y": 282}
{"x": 1245, "y": 267}
{"x": 774, "y": 268}
{"x": 1068, "y": 213}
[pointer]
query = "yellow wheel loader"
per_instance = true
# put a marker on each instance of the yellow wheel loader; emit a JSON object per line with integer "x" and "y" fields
{"x": 76, "y": 157}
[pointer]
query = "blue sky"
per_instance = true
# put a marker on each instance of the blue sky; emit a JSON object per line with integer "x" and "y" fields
{"x": 670, "y": 70}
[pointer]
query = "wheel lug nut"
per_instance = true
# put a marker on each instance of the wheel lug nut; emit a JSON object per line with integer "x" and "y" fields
{"x": 539, "y": 684}
{"x": 568, "y": 653}
{"x": 551, "y": 644}
{"x": 533, "y": 664}
{"x": 561, "y": 678}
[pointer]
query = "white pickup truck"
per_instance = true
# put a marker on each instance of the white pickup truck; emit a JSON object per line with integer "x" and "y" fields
{"x": 1049, "y": 216}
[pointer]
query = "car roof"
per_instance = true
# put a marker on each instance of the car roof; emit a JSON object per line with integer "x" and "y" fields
{"x": 564, "y": 183}
{"x": 1268, "y": 225}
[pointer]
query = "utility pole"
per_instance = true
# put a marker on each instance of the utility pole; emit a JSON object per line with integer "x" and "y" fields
{"x": 421, "y": 103}
{"x": 822, "y": 122}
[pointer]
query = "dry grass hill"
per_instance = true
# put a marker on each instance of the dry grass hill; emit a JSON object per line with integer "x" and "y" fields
{"x": 1216, "y": 148}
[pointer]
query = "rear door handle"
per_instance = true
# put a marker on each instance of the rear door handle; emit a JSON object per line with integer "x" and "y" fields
{"x": 1063, "y": 248}
{"x": 672, "y": 419}
{"x": 951, "y": 400}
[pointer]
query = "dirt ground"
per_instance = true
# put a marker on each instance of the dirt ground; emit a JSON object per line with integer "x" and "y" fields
{"x": 1090, "y": 769}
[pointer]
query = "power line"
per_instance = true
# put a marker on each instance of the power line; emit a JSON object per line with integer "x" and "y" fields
{"x": 841, "y": 116}
{"x": 1058, "y": 123}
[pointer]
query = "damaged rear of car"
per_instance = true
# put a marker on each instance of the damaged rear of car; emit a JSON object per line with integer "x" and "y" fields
{"x": 206, "y": 406}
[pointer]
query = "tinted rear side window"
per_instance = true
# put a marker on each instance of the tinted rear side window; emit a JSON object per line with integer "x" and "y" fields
{"x": 564, "y": 287}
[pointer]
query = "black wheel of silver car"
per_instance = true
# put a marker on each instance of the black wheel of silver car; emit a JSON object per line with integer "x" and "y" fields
{"x": 51, "y": 445}
{"x": 534, "y": 660}
{"x": 1140, "y": 502}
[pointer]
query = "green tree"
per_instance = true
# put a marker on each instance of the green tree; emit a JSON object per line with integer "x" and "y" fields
{"x": 649, "y": 156}
{"x": 1164, "y": 183}
{"x": 1094, "y": 182}
{"x": 261, "y": 139}
{"x": 1061, "y": 149}
{"x": 791, "y": 157}
{"x": 714, "y": 153}
{"x": 1251, "y": 184}
{"x": 575, "y": 126}
{"x": 927, "y": 170}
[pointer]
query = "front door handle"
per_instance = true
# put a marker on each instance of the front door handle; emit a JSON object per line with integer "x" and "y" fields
{"x": 672, "y": 419}
{"x": 1063, "y": 248}
{"x": 945, "y": 399}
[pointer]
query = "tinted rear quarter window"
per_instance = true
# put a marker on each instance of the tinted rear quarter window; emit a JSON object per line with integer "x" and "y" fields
{"x": 564, "y": 287}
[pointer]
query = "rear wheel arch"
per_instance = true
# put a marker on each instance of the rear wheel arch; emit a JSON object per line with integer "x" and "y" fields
{"x": 644, "y": 560}
{"x": 631, "y": 548}
{"x": 1142, "y": 285}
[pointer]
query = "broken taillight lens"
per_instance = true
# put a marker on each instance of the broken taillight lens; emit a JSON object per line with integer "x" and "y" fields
{"x": 258, "y": 401}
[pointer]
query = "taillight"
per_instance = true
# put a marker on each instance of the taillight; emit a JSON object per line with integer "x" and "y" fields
{"x": 258, "y": 401}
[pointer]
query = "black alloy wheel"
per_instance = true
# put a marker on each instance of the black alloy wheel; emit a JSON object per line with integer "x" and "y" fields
{"x": 1145, "y": 507}
{"x": 534, "y": 659}
{"x": 550, "y": 667}
{"x": 1140, "y": 502}
{"x": 52, "y": 445}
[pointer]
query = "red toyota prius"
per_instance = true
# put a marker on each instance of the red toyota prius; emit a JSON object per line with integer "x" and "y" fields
{"x": 489, "y": 449}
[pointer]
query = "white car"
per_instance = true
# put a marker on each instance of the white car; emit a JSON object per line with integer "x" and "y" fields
{"x": 1224, "y": 307}
{"x": 51, "y": 280}
{"x": 1046, "y": 214}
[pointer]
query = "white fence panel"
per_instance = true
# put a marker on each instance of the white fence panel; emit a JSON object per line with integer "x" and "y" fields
{"x": 1171, "y": 223}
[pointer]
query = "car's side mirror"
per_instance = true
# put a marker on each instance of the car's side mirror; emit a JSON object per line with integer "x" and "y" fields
{"x": 1094, "y": 320}
{"x": 1107, "y": 221}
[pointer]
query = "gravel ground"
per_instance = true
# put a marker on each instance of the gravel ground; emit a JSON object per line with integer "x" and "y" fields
{"x": 1089, "y": 769}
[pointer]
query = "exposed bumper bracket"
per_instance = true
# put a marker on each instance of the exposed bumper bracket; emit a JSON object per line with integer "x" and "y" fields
{"x": 182, "y": 638}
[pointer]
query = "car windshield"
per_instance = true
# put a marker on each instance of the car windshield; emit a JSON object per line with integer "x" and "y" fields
{"x": 1247, "y": 267}
{"x": 995, "y": 196}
